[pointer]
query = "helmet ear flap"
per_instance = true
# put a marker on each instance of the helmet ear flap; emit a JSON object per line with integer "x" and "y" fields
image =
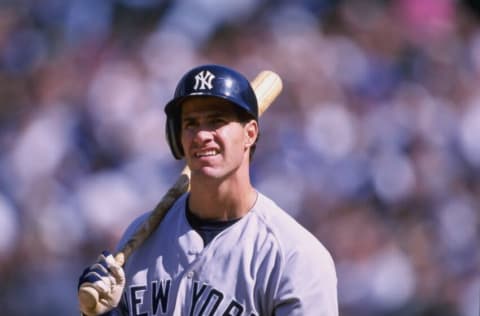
{"x": 172, "y": 133}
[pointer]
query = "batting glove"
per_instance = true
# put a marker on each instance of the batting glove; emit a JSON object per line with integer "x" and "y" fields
{"x": 107, "y": 277}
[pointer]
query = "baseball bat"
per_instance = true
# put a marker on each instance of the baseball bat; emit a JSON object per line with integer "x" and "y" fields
{"x": 267, "y": 86}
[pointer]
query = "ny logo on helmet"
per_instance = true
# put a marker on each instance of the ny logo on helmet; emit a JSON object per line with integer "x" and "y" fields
{"x": 203, "y": 80}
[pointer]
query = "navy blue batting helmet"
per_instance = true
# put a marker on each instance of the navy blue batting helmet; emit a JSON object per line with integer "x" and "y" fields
{"x": 208, "y": 80}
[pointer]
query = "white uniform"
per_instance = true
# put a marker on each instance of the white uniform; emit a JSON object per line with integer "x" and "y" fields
{"x": 264, "y": 264}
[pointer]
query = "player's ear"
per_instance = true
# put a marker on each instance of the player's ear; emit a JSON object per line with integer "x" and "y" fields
{"x": 251, "y": 133}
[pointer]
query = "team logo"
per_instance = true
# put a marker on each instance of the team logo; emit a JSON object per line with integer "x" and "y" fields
{"x": 203, "y": 80}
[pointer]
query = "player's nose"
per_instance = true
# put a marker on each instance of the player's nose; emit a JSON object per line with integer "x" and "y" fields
{"x": 202, "y": 134}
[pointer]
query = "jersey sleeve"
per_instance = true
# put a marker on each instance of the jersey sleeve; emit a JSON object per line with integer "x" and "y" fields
{"x": 308, "y": 285}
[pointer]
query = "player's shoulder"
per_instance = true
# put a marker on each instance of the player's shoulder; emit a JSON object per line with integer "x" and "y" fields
{"x": 288, "y": 233}
{"x": 279, "y": 222}
{"x": 141, "y": 219}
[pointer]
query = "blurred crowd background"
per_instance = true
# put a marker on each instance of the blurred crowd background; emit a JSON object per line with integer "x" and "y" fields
{"x": 374, "y": 144}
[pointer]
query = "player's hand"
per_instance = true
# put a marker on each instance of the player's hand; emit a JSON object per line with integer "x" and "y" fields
{"x": 107, "y": 277}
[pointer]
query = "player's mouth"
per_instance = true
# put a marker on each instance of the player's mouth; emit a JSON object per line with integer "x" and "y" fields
{"x": 206, "y": 153}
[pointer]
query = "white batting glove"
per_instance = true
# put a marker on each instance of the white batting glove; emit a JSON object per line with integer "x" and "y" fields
{"x": 107, "y": 277}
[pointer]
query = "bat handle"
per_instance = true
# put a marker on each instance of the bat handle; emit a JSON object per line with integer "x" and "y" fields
{"x": 88, "y": 296}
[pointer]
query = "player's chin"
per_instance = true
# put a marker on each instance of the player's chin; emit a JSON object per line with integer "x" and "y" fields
{"x": 200, "y": 164}
{"x": 212, "y": 165}
{"x": 209, "y": 173}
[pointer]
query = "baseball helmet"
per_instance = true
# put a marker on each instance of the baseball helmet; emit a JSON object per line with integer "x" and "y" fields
{"x": 213, "y": 81}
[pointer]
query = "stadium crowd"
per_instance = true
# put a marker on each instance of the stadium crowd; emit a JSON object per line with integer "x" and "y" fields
{"x": 374, "y": 144}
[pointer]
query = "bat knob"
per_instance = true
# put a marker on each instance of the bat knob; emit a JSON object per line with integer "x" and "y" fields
{"x": 88, "y": 298}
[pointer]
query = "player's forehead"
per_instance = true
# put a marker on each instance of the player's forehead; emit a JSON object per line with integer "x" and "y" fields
{"x": 207, "y": 106}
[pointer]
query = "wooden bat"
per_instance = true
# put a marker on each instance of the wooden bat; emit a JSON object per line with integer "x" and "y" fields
{"x": 267, "y": 86}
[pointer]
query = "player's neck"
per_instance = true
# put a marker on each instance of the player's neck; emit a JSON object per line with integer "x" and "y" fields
{"x": 224, "y": 201}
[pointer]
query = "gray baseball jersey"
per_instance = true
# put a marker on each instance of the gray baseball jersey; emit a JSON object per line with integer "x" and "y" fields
{"x": 264, "y": 264}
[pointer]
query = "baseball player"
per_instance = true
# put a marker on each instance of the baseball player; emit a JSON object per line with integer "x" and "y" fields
{"x": 223, "y": 248}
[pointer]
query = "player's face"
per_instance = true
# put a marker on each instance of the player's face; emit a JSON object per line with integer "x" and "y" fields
{"x": 214, "y": 140}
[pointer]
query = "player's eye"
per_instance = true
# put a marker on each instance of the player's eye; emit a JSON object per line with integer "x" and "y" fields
{"x": 217, "y": 121}
{"x": 189, "y": 124}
